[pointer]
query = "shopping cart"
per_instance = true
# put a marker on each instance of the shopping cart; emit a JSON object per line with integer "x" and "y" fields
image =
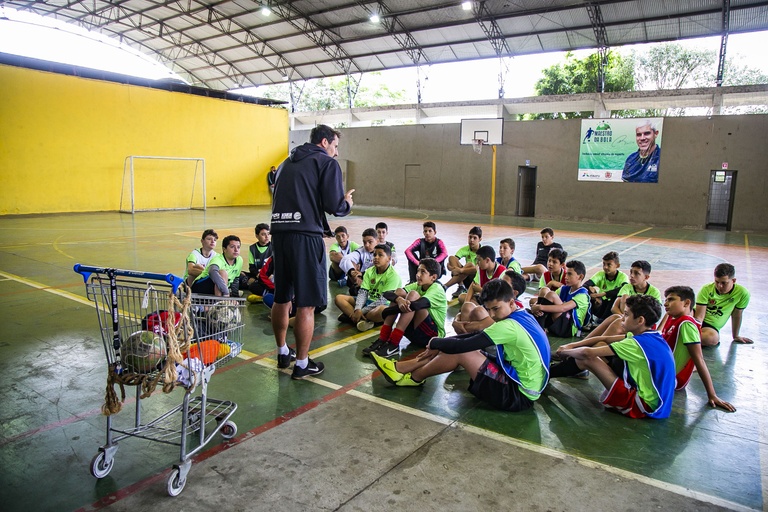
{"x": 156, "y": 334}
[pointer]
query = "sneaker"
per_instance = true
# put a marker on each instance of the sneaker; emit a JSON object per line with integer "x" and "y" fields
{"x": 311, "y": 370}
{"x": 364, "y": 325}
{"x": 459, "y": 290}
{"x": 344, "y": 319}
{"x": 387, "y": 368}
{"x": 255, "y": 299}
{"x": 376, "y": 345}
{"x": 387, "y": 349}
{"x": 284, "y": 361}
{"x": 342, "y": 282}
{"x": 583, "y": 375}
{"x": 407, "y": 381}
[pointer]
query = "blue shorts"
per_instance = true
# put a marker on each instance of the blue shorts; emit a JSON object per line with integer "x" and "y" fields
{"x": 300, "y": 269}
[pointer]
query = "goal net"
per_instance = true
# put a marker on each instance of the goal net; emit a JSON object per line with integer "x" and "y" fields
{"x": 162, "y": 183}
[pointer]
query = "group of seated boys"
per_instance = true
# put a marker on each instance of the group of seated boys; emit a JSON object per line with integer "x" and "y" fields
{"x": 640, "y": 357}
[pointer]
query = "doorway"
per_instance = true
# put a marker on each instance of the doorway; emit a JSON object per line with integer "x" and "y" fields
{"x": 722, "y": 189}
{"x": 526, "y": 191}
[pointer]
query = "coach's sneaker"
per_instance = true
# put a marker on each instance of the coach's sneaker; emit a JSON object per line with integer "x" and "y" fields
{"x": 284, "y": 361}
{"x": 387, "y": 368}
{"x": 311, "y": 370}
{"x": 376, "y": 345}
{"x": 364, "y": 325}
{"x": 407, "y": 381}
{"x": 387, "y": 349}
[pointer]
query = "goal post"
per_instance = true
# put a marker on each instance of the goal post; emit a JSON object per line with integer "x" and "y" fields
{"x": 162, "y": 183}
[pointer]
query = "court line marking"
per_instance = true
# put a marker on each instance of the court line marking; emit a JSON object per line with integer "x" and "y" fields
{"x": 56, "y": 248}
{"x": 593, "y": 249}
{"x": 40, "y": 286}
{"x": 762, "y": 423}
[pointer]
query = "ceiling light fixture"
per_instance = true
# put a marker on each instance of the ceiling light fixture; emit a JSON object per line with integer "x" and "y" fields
{"x": 265, "y": 11}
{"x": 375, "y": 18}
{"x": 466, "y": 5}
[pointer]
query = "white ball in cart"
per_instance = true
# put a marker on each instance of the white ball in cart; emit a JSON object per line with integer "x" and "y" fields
{"x": 224, "y": 315}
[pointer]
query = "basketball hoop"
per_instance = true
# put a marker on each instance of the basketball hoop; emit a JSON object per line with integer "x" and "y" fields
{"x": 477, "y": 145}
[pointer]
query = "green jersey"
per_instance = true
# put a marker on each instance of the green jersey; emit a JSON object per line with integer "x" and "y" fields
{"x": 601, "y": 281}
{"x": 233, "y": 271}
{"x": 628, "y": 289}
{"x": 467, "y": 254}
{"x": 438, "y": 303}
{"x": 376, "y": 283}
{"x": 351, "y": 246}
{"x": 196, "y": 256}
{"x": 521, "y": 352}
{"x": 720, "y": 307}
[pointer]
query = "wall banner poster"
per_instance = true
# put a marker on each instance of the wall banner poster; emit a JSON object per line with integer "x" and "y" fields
{"x": 621, "y": 150}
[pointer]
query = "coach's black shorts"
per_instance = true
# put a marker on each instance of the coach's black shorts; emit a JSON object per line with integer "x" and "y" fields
{"x": 300, "y": 269}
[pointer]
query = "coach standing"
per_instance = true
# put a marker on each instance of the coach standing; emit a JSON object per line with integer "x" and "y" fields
{"x": 308, "y": 186}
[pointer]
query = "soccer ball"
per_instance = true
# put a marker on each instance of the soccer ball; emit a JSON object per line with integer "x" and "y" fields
{"x": 223, "y": 316}
{"x": 143, "y": 352}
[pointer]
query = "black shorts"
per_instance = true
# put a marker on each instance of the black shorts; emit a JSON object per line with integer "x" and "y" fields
{"x": 493, "y": 386}
{"x": 204, "y": 287}
{"x": 421, "y": 334}
{"x": 561, "y": 327}
{"x": 705, "y": 324}
{"x": 300, "y": 269}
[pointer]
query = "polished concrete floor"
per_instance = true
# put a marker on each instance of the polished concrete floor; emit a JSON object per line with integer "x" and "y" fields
{"x": 348, "y": 440}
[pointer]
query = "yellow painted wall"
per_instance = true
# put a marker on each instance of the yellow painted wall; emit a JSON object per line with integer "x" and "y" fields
{"x": 64, "y": 139}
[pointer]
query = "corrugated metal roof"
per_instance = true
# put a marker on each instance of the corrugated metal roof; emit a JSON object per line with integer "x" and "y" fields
{"x": 226, "y": 44}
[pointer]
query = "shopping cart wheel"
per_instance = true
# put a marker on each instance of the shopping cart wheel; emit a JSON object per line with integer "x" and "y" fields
{"x": 175, "y": 483}
{"x": 100, "y": 466}
{"x": 228, "y": 430}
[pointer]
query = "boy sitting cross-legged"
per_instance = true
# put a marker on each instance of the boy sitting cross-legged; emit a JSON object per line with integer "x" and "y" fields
{"x": 358, "y": 261}
{"x": 638, "y": 285}
{"x": 604, "y": 286}
{"x": 638, "y": 373}
{"x": 554, "y": 277}
{"x": 464, "y": 274}
{"x": 683, "y": 335}
{"x": 382, "y": 230}
{"x": 428, "y": 247}
{"x": 366, "y": 308}
{"x": 564, "y": 312}
{"x": 512, "y": 380}
{"x": 416, "y": 312}
{"x": 487, "y": 268}
{"x": 336, "y": 253}
{"x": 506, "y": 258}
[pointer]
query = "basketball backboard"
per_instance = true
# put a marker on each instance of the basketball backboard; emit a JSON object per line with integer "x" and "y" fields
{"x": 489, "y": 130}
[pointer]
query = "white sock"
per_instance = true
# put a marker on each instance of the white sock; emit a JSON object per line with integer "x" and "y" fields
{"x": 283, "y": 351}
{"x": 302, "y": 363}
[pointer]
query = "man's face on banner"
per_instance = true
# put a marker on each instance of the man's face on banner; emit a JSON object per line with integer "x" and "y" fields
{"x": 645, "y": 136}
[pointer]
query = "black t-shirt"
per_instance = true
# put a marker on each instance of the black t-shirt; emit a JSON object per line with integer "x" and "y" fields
{"x": 542, "y": 251}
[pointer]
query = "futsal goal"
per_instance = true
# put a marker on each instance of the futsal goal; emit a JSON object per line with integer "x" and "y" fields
{"x": 162, "y": 183}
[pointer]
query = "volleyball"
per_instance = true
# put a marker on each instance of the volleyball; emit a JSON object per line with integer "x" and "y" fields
{"x": 143, "y": 352}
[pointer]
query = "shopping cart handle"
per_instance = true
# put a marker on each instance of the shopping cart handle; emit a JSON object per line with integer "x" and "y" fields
{"x": 86, "y": 272}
